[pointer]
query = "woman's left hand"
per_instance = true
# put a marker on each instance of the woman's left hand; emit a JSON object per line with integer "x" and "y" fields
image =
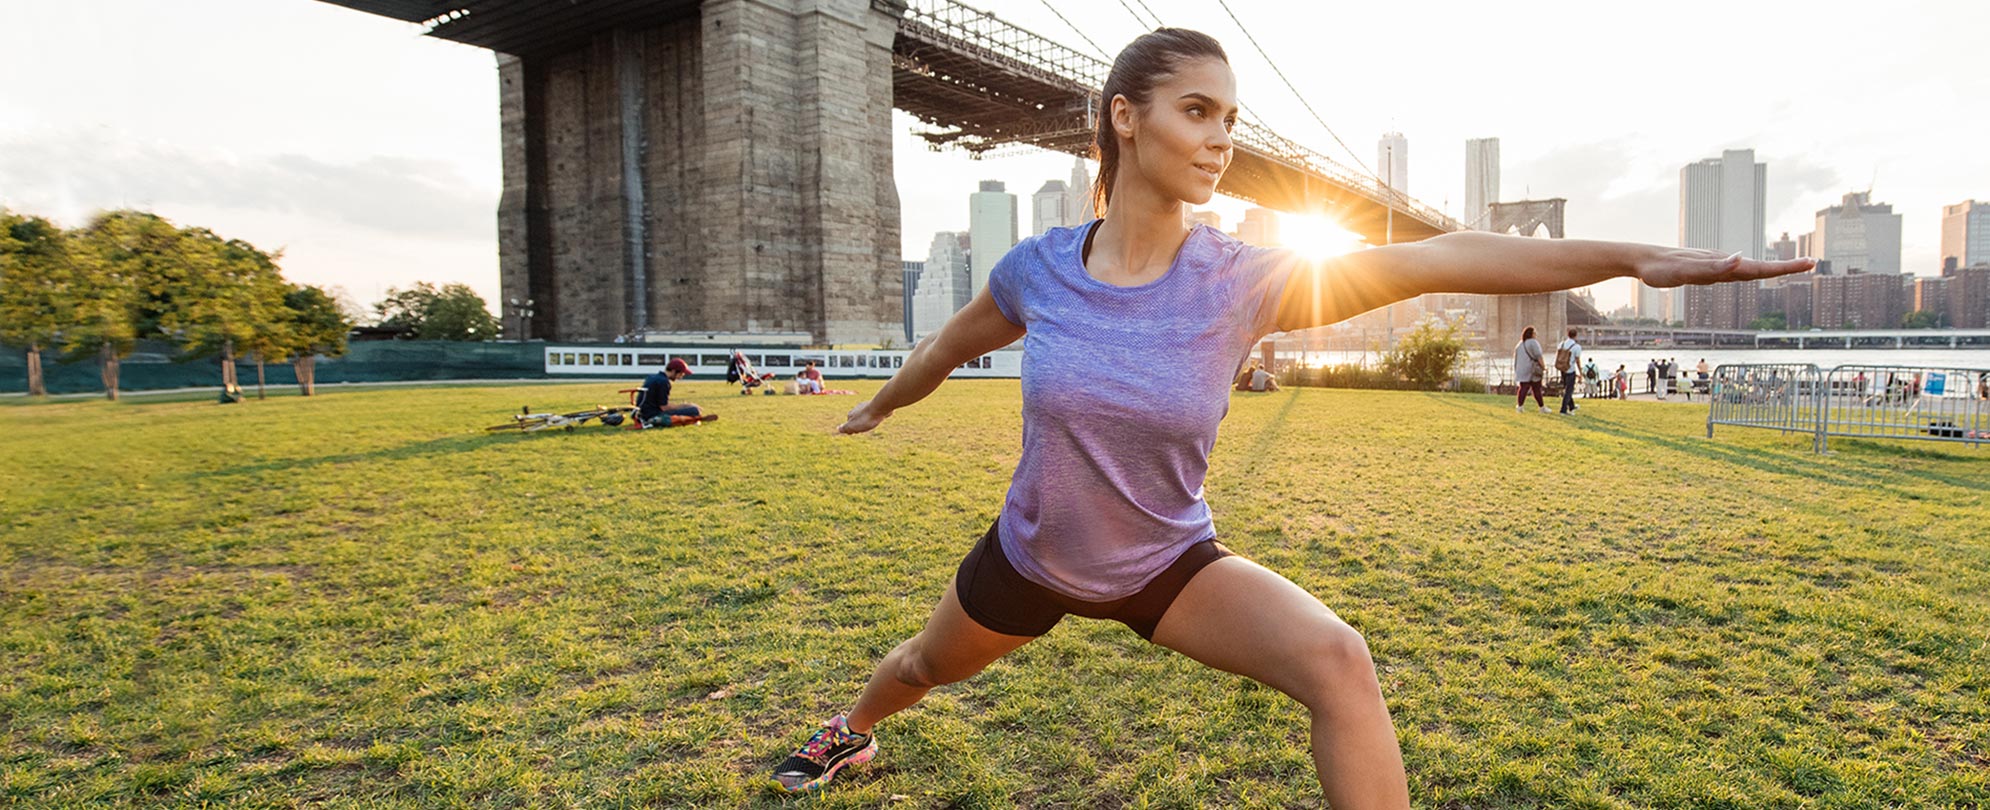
{"x": 1678, "y": 267}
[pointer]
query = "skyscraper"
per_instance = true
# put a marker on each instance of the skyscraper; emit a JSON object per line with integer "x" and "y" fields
{"x": 1721, "y": 207}
{"x": 1392, "y": 160}
{"x": 1857, "y": 234}
{"x": 1481, "y": 181}
{"x": 909, "y": 273}
{"x": 1965, "y": 234}
{"x": 991, "y": 228}
{"x": 1782, "y": 249}
{"x": 1081, "y": 192}
{"x": 1051, "y": 207}
{"x": 1259, "y": 227}
{"x": 1721, "y": 203}
{"x": 943, "y": 283}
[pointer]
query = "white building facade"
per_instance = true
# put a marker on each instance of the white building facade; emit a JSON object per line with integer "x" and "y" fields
{"x": 944, "y": 283}
{"x": 1481, "y": 182}
{"x": 1392, "y": 161}
{"x": 991, "y": 228}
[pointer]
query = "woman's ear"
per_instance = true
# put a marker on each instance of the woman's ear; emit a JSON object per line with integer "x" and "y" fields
{"x": 1122, "y": 116}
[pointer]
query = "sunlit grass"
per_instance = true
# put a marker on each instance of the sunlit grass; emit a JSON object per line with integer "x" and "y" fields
{"x": 360, "y": 599}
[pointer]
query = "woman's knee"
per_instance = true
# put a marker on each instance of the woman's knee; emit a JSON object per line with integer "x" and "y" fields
{"x": 1337, "y": 666}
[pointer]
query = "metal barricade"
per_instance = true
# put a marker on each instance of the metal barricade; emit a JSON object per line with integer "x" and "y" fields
{"x": 1864, "y": 401}
{"x": 1779, "y": 396}
{"x": 1896, "y": 402}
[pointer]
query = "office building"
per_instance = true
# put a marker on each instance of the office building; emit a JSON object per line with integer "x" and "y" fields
{"x": 1858, "y": 235}
{"x": 991, "y": 227}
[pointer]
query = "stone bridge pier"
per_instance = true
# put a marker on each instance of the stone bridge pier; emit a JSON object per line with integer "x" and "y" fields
{"x": 726, "y": 170}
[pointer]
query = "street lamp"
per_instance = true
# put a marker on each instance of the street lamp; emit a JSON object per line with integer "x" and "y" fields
{"x": 523, "y": 312}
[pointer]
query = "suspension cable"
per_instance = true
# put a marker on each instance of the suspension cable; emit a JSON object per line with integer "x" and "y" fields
{"x": 1136, "y": 18}
{"x": 1076, "y": 30}
{"x": 1295, "y": 91}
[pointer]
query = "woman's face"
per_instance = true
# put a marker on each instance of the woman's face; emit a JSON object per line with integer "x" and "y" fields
{"x": 1180, "y": 139}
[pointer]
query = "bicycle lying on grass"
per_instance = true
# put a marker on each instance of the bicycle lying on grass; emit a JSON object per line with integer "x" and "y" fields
{"x": 608, "y": 415}
{"x": 529, "y": 422}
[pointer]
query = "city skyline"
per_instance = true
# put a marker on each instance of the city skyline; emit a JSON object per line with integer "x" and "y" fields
{"x": 369, "y": 153}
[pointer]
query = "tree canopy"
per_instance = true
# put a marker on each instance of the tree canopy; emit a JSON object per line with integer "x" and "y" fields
{"x": 449, "y": 312}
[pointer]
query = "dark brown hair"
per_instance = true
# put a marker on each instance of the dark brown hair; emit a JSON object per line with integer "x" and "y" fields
{"x": 1146, "y": 61}
{"x": 1527, "y": 334}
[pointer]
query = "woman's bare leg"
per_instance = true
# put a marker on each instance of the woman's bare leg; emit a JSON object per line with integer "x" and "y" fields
{"x": 951, "y": 648}
{"x": 1238, "y": 616}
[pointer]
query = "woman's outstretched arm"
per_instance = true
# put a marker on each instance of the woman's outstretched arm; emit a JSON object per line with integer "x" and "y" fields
{"x": 977, "y": 329}
{"x": 1495, "y": 264}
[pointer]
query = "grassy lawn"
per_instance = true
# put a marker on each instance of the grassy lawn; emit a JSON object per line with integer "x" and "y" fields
{"x": 361, "y": 599}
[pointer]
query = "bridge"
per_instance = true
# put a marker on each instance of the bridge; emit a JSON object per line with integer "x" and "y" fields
{"x": 726, "y": 164}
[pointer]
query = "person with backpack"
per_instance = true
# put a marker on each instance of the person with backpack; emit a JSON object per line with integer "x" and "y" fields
{"x": 1568, "y": 360}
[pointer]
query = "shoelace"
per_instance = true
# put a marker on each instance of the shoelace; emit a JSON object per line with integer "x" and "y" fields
{"x": 823, "y": 740}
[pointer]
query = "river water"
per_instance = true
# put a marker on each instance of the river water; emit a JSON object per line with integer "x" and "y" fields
{"x": 1634, "y": 360}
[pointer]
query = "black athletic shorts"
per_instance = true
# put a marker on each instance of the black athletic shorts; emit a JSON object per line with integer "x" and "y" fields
{"x": 997, "y": 597}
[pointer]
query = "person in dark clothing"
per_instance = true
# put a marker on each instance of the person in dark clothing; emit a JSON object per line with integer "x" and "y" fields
{"x": 656, "y": 410}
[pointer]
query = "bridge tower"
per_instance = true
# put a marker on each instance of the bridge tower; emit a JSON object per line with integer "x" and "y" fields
{"x": 724, "y": 168}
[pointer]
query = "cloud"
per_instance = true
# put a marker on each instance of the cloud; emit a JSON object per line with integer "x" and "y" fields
{"x": 70, "y": 175}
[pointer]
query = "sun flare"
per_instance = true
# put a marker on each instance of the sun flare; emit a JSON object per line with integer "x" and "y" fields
{"x": 1317, "y": 237}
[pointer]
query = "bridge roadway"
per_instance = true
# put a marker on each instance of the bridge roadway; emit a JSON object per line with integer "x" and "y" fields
{"x": 981, "y": 83}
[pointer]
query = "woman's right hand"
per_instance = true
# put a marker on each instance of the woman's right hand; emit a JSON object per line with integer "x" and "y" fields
{"x": 862, "y": 418}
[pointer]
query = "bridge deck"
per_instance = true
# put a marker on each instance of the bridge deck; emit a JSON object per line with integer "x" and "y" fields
{"x": 981, "y": 82}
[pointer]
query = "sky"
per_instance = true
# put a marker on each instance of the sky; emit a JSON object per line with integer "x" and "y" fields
{"x": 369, "y": 154}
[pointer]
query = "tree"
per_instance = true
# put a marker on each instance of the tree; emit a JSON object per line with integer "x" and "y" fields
{"x": 451, "y": 312}
{"x": 35, "y": 282}
{"x": 119, "y": 261}
{"x": 1429, "y": 354}
{"x": 317, "y": 325}
{"x": 227, "y": 298}
{"x": 1770, "y": 322}
{"x": 1921, "y": 319}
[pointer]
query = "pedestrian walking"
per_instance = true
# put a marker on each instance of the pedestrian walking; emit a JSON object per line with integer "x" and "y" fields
{"x": 1568, "y": 356}
{"x": 1529, "y": 368}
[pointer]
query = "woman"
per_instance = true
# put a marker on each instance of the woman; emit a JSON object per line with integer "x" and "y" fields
{"x": 1105, "y": 516}
{"x": 1528, "y": 367}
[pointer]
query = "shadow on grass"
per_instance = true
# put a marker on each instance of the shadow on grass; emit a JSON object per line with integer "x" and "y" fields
{"x": 1269, "y": 435}
{"x": 433, "y": 447}
{"x": 1779, "y": 464}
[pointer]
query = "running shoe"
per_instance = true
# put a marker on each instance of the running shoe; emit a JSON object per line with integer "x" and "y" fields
{"x": 832, "y": 748}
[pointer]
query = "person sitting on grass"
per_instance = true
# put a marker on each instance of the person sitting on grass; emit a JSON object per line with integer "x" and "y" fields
{"x": 655, "y": 409}
{"x": 809, "y": 379}
{"x": 1243, "y": 382}
{"x": 1105, "y": 516}
{"x": 1262, "y": 380}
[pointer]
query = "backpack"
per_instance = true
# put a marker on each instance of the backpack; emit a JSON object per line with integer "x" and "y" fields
{"x": 1562, "y": 357}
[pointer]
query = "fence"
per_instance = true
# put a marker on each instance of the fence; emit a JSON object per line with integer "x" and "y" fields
{"x": 1875, "y": 402}
{"x": 153, "y": 366}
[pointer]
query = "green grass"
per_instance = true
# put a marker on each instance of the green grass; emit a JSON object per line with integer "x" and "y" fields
{"x": 360, "y": 599}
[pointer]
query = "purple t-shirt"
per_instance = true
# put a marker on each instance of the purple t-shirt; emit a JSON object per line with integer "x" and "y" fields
{"x": 1123, "y": 388}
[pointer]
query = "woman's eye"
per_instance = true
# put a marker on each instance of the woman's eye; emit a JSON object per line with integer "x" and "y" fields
{"x": 1195, "y": 111}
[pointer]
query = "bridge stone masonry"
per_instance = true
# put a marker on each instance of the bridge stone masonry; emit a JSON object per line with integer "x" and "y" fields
{"x": 726, "y": 165}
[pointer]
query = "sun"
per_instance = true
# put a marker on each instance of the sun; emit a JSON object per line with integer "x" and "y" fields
{"x": 1317, "y": 237}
